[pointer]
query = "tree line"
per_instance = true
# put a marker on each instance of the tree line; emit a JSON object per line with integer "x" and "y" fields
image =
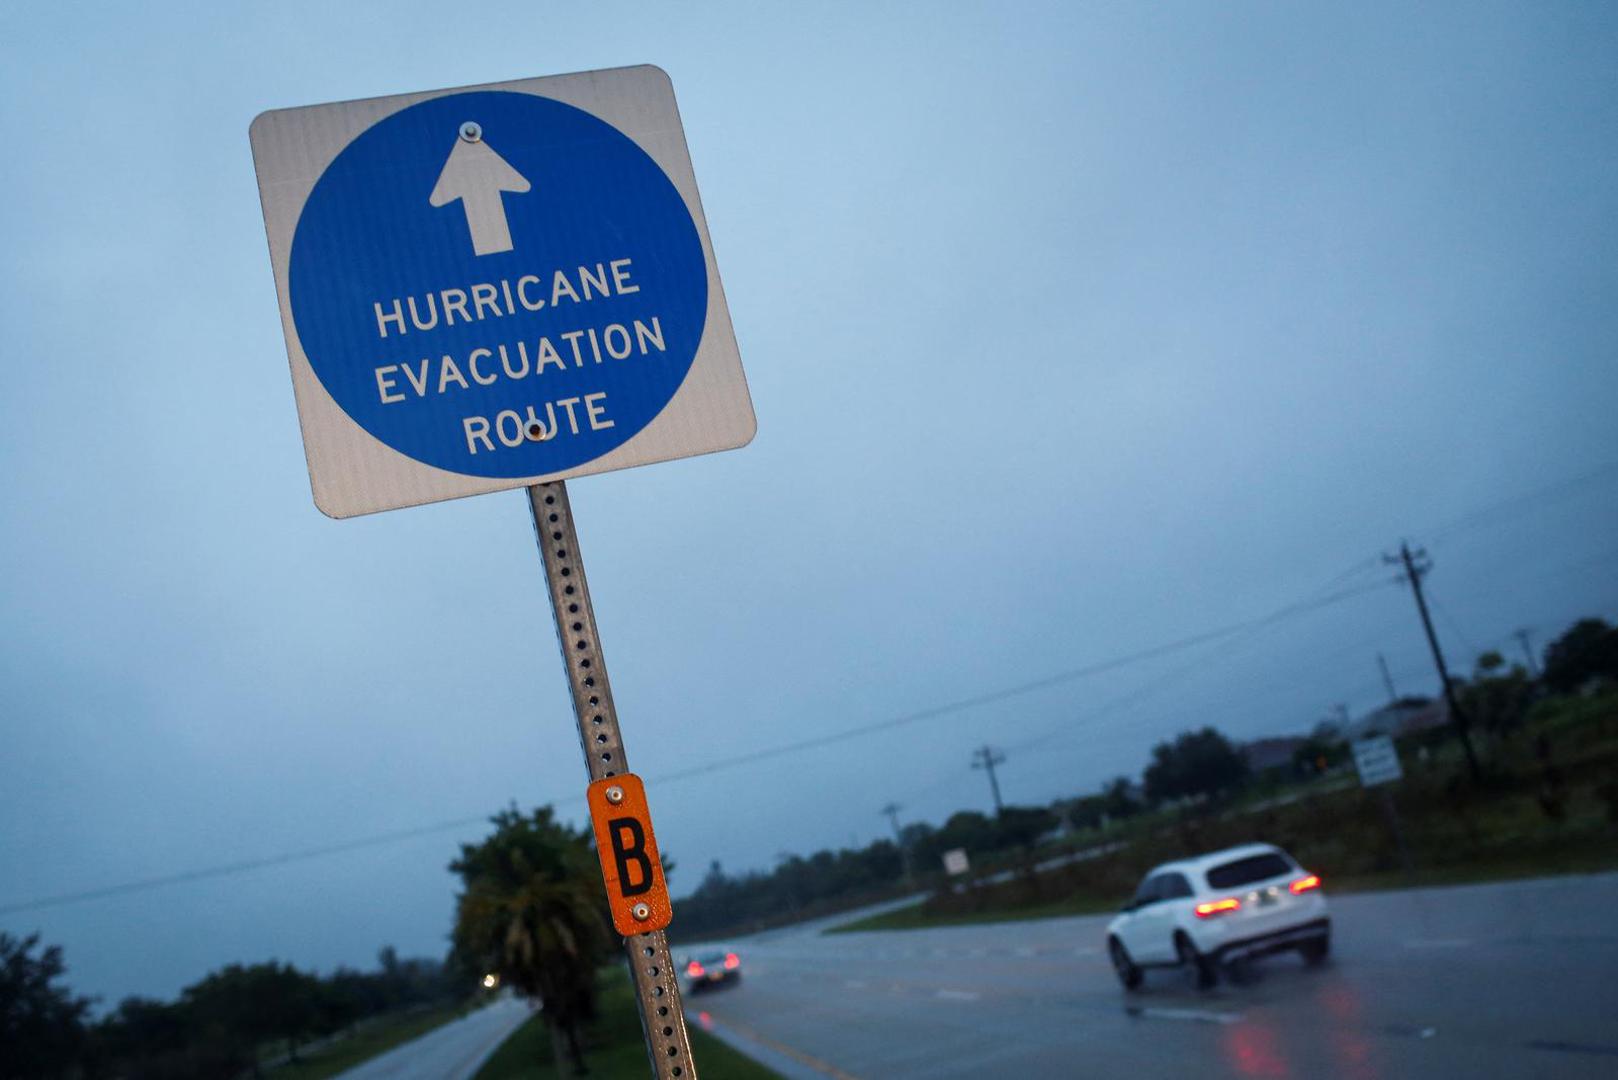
{"x": 221, "y": 1026}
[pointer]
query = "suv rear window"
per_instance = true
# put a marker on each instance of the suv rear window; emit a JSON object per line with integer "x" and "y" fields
{"x": 1246, "y": 871}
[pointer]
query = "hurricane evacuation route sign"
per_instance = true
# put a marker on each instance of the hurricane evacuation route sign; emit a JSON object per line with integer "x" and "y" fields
{"x": 495, "y": 286}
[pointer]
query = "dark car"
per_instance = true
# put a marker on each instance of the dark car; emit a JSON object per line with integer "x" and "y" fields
{"x": 711, "y": 968}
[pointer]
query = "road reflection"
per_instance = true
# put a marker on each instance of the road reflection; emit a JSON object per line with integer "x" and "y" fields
{"x": 1253, "y": 1049}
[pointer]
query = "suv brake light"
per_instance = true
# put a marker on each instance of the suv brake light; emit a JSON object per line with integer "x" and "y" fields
{"x": 732, "y": 961}
{"x": 1305, "y": 884}
{"x": 694, "y": 970}
{"x": 1218, "y": 907}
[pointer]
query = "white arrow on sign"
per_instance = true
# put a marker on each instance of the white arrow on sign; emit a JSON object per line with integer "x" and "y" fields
{"x": 477, "y": 176}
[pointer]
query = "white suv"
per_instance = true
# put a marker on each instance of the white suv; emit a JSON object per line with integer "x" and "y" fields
{"x": 1215, "y": 909}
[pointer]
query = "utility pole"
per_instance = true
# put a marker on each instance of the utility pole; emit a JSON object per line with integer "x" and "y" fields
{"x": 1528, "y": 653}
{"x": 1387, "y": 679}
{"x": 1416, "y": 563}
{"x": 892, "y": 812}
{"x": 986, "y": 758}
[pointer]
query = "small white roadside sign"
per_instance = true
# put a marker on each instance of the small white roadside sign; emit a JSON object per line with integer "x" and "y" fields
{"x": 1377, "y": 761}
{"x": 955, "y": 862}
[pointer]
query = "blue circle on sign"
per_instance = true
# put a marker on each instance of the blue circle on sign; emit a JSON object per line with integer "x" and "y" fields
{"x": 478, "y": 263}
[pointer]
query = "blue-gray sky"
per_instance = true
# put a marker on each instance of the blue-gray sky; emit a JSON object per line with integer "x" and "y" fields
{"x": 1072, "y": 329}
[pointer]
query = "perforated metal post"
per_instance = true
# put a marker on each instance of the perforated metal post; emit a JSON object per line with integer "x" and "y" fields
{"x": 657, "y": 986}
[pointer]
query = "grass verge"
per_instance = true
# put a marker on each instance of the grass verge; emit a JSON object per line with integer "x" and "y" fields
{"x": 1539, "y": 863}
{"x": 615, "y": 1046}
{"x": 1547, "y": 806}
{"x": 366, "y": 1043}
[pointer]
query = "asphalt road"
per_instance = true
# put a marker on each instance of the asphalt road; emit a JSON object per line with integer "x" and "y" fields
{"x": 1509, "y": 980}
{"x": 452, "y": 1052}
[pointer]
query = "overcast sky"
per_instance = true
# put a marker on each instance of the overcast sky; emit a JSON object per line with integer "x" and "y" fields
{"x": 1072, "y": 330}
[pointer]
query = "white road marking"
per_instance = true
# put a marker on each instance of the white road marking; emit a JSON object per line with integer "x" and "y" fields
{"x": 1438, "y": 943}
{"x": 1026, "y": 951}
{"x": 976, "y": 953}
{"x": 855, "y": 984}
{"x": 1086, "y": 950}
{"x": 1201, "y": 1016}
{"x": 958, "y": 995}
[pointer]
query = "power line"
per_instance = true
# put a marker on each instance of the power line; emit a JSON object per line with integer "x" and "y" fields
{"x": 1474, "y": 519}
{"x": 1161, "y": 682}
{"x": 1508, "y": 507}
{"x": 960, "y": 705}
{"x": 230, "y": 869}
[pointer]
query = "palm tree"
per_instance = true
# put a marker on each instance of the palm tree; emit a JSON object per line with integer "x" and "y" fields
{"x": 533, "y": 912}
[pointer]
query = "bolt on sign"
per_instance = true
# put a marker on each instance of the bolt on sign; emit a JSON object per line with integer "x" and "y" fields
{"x": 491, "y": 287}
{"x": 507, "y": 286}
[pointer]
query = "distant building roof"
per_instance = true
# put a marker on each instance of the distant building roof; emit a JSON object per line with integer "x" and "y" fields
{"x": 1275, "y": 753}
{"x": 1403, "y": 717}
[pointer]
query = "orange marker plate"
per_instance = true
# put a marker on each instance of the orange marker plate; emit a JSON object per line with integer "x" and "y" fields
{"x": 636, "y": 890}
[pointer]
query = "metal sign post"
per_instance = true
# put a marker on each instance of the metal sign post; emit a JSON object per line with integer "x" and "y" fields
{"x": 657, "y": 986}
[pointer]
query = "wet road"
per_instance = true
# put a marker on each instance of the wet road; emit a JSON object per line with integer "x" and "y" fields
{"x": 452, "y": 1052}
{"x": 1508, "y": 980}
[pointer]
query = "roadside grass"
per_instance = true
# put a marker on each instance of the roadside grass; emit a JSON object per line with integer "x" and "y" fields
{"x": 1540, "y": 862}
{"x": 367, "y": 1042}
{"x": 615, "y": 1047}
{"x": 1547, "y": 808}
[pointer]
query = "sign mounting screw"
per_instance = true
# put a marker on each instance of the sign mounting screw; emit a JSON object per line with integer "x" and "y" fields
{"x": 471, "y": 131}
{"x": 641, "y": 911}
{"x": 615, "y": 795}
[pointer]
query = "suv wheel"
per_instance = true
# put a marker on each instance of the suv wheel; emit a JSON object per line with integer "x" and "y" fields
{"x": 1128, "y": 973}
{"x": 1316, "y": 950}
{"x": 1198, "y": 968}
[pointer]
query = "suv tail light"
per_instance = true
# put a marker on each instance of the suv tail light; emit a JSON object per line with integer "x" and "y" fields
{"x": 694, "y": 970}
{"x": 1218, "y": 907}
{"x": 1305, "y": 884}
{"x": 732, "y": 961}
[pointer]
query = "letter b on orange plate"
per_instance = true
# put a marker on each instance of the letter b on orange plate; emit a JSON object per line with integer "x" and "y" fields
{"x": 636, "y": 891}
